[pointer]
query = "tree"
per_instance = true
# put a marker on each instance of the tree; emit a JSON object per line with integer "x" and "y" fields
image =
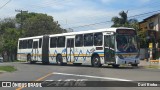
{"x": 10, "y": 40}
{"x": 9, "y": 36}
{"x": 122, "y": 21}
{"x": 32, "y": 24}
{"x": 6, "y": 23}
{"x": 142, "y": 38}
{"x": 35, "y": 24}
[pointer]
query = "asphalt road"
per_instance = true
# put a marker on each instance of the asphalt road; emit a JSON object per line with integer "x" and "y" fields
{"x": 39, "y": 72}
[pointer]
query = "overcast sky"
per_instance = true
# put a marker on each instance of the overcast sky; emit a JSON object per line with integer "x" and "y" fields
{"x": 74, "y": 13}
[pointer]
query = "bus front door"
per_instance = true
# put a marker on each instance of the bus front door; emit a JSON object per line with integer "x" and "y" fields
{"x": 35, "y": 50}
{"x": 109, "y": 47}
{"x": 70, "y": 50}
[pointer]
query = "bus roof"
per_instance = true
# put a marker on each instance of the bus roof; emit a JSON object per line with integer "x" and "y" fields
{"x": 90, "y": 31}
{"x": 31, "y": 37}
{"x": 80, "y": 32}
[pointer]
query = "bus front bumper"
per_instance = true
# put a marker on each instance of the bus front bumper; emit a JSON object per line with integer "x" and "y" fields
{"x": 128, "y": 61}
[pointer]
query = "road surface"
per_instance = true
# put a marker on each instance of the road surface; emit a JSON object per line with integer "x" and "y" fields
{"x": 39, "y": 72}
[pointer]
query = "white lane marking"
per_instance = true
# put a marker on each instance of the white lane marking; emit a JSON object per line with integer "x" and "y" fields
{"x": 107, "y": 78}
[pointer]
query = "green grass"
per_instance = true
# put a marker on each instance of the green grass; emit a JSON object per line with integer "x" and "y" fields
{"x": 18, "y": 61}
{"x": 7, "y": 68}
{"x": 153, "y": 66}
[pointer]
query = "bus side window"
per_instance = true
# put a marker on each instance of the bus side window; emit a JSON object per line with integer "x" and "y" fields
{"x": 30, "y": 43}
{"x": 25, "y": 44}
{"x": 106, "y": 42}
{"x": 88, "y": 39}
{"x": 61, "y": 41}
{"x": 53, "y": 42}
{"x": 35, "y": 44}
{"x": 79, "y": 40}
{"x": 98, "y": 39}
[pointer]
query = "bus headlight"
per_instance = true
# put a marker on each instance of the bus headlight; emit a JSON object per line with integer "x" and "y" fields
{"x": 120, "y": 56}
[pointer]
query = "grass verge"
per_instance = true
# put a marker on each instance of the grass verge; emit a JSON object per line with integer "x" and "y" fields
{"x": 19, "y": 61}
{"x": 153, "y": 66}
{"x": 7, "y": 68}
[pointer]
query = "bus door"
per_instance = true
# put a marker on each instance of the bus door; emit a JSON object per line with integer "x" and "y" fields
{"x": 109, "y": 48}
{"x": 70, "y": 50}
{"x": 35, "y": 51}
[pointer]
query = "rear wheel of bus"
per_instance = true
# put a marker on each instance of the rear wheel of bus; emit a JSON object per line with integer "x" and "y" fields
{"x": 96, "y": 61}
{"x": 59, "y": 60}
{"x": 77, "y": 64}
{"x": 30, "y": 60}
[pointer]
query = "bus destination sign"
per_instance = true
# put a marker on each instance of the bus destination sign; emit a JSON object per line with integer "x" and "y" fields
{"x": 126, "y": 31}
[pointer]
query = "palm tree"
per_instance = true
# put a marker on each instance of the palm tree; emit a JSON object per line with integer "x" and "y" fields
{"x": 120, "y": 21}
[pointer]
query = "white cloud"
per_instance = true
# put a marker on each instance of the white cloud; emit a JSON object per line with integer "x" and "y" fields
{"x": 82, "y": 16}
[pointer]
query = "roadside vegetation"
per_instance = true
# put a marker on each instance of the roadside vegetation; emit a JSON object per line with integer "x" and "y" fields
{"x": 153, "y": 66}
{"x": 19, "y": 61}
{"x": 7, "y": 68}
{"x": 25, "y": 24}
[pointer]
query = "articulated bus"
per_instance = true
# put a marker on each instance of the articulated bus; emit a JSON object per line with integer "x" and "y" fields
{"x": 112, "y": 46}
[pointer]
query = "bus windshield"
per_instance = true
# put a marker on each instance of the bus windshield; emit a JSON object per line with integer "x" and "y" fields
{"x": 127, "y": 43}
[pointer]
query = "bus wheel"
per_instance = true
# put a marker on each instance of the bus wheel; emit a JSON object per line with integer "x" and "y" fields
{"x": 45, "y": 63}
{"x": 134, "y": 65}
{"x": 96, "y": 61}
{"x": 59, "y": 60}
{"x": 77, "y": 64}
{"x": 115, "y": 65}
{"x": 30, "y": 60}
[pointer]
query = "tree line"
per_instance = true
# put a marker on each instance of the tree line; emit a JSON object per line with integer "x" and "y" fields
{"x": 24, "y": 25}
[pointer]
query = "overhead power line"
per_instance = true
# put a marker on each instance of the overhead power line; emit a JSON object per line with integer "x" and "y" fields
{"x": 90, "y": 24}
{"x": 5, "y": 4}
{"x": 138, "y": 15}
{"x": 144, "y": 14}
{"x": 50, "y": 4}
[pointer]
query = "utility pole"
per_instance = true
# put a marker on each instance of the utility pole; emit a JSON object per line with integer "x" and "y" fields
{"x": 21, "y": 11}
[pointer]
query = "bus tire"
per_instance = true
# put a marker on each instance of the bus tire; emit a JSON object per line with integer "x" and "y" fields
{"x": 96, "y": 61}
{"x": 45, "y": 63}
{"x": 30, "y": 60}
{"x": 77, "y": 64}
{"x": 115, "y": 65}
{"x": 134, "y": 65}
{"x": 59, "y": 60}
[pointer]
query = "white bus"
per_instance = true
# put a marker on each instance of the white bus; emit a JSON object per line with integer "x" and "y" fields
{"x": 112, "y": 46}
